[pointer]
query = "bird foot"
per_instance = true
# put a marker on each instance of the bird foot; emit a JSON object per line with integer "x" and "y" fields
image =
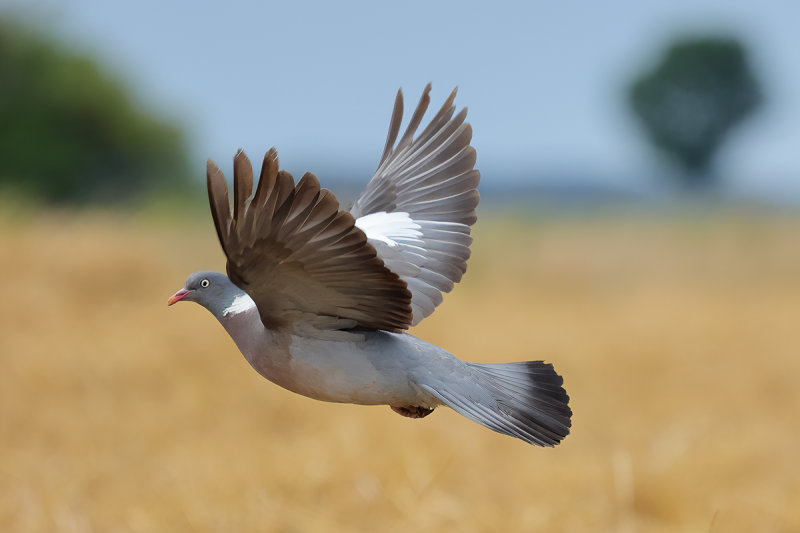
{"x": 412, "y": 411}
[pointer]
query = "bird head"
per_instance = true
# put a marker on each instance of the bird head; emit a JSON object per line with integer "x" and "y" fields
{"x": 212, "y": 290}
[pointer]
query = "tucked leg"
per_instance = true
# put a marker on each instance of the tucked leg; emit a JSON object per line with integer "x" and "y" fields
{"x": 412, "y": 411}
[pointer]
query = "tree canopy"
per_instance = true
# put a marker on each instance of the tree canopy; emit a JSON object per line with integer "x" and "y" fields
{"x": 72, "y": 133}
{"x": 698, "y": 91}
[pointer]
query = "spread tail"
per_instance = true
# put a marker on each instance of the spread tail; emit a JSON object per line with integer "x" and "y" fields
{"x": 523, "y": 400}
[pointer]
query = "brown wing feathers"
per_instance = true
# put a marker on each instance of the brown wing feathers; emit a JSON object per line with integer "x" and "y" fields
{"x": 218, "y": 198}
{"x": 303, "y": 261}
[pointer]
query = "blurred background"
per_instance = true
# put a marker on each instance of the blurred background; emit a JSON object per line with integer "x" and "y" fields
{"x": 638, "y": 228}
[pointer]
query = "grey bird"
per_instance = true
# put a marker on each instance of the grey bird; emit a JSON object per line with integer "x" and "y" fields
{"x": 318, "y": 299}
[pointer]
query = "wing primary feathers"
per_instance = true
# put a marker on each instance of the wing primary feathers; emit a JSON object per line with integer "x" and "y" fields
{"x": 242, "y": 183}
{"x": 416, "y": 118}
{"x": 444, "y": 114}
{"x": 218, "y": 200}
{"x": 452, "y": 136}
{"x": 394, "y": 126}
{"x": 266, "y": 181}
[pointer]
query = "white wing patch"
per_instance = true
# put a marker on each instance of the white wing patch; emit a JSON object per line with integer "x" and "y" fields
{"x": 409, "y": 247}
{"x": 240, "y": 304}
{"x": 389, "y": 227}
{"x": 395, "y": 236}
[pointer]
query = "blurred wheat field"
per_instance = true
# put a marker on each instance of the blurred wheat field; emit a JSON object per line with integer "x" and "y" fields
{"x": 677, "y": 338}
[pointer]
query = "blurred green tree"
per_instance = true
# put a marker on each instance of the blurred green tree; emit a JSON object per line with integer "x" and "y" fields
{"x": 71, "y": 133}
{"x": 691, "y": 99}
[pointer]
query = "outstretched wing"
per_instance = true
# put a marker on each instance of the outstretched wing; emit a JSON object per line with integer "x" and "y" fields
{"x": 306, "y": 265}
{"x": 418, "y": 207}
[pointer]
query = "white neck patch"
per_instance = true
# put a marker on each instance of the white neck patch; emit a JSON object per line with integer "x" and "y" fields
{"x": 240, "y": 304}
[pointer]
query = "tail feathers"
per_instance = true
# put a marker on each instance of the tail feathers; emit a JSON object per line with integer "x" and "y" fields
{"x": 523, "y": 400}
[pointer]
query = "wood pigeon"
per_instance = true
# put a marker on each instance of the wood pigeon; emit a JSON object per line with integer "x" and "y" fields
{"x": 319, "y": 299}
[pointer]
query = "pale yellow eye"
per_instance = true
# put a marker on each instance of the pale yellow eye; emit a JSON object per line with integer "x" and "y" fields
{"x": 205, "y": 283}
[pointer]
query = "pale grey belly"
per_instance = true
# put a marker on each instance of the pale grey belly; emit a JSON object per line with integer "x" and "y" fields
{"x": 384, "y": 369}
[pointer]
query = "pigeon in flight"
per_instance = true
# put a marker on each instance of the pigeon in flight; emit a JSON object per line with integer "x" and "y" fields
{"x": 319, "y": 299}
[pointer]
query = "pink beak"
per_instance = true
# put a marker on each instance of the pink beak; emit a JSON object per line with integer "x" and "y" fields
{"x": 178, "y": 296}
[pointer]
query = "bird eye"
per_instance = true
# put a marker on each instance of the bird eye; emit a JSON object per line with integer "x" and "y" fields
{"x": 205, "y": 283}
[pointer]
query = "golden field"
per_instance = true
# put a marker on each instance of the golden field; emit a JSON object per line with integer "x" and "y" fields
{"x": 678, "y": 337}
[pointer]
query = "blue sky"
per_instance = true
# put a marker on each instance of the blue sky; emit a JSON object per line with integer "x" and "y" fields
{"x": 543, "y": 81}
